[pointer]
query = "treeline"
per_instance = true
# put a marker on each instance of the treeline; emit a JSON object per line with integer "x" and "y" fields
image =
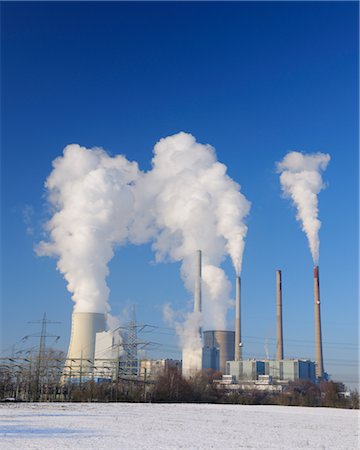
{"x": 301, "y": 393}
{"x": 171, "y": 387}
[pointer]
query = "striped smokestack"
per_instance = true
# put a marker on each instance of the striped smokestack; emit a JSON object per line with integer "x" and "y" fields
{"x": 318, "y": 341}
{"x": 279, "y": 326}
{"x": 238, "y": 342}
{"x": 197, "y": 293}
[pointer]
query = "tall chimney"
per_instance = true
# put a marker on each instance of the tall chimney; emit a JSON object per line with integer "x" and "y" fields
{"x": 192, "y": 356}
{"x": 319, "y": 363}
{"x": 197, "y": 293}
{"x": 279, "y": 326}
{"x": 238, "y": 343}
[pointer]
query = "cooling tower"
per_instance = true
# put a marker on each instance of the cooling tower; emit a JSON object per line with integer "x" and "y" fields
{"x": 224, "y": 341}
{"x": 238, "y": 343}
{"x": 318, "y": 340}
{"x": 81, "y": 351}
{"x": 279, "y": 325}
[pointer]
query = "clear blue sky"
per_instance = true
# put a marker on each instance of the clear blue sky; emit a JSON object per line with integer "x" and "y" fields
{"x": 254, "y": 80}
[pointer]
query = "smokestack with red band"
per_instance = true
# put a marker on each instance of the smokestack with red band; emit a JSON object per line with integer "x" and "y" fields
{"x": 318, "y": 341}
{"x": 238, "y": 343}
{"x": 279, "y": 326}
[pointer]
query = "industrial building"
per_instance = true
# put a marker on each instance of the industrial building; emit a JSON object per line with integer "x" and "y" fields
{"x": 211, "y": 358}
{"x": 263, "y": 383}
{"x": 221, "y": 342}
{"x": 279, "y": 370}
{"x": 152, "y": 368}
{"x": 246, "y": 369}
{"x": 290, "y": 369}
{"x": 107, "y": 354}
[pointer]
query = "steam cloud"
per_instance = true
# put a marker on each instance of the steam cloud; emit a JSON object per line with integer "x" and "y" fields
{"x": 301, "y": 181}
{"x": 91, "y": 195}
{"x": 184, "y": 203}
{"x": 194, "y": 205}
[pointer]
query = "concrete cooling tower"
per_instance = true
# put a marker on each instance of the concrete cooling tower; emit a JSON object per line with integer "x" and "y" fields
{"x": 81, "y": 351}
{"x": 224, "y": 341}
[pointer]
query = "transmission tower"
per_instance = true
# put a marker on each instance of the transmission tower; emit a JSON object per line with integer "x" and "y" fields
{"x": 42, "y": 347}
{"x": 129, "y": 364}
{"x": 132, "y": 345}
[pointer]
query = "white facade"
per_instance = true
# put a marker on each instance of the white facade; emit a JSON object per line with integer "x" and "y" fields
{"x": 151, "y": 368}
{"x": 107, "y": 352}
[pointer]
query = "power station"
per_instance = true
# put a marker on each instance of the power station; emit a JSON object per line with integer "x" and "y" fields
{"x": 222, "y": 350}
{"x": 92, "y": 346}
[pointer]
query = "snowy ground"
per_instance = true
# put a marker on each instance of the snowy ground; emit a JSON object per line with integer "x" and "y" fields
{"x": 187, "y": 426}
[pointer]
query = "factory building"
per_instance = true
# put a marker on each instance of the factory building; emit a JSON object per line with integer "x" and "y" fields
{"x": 152, "y": 368}
{"x": 290, "y": 369}
{"x": 278, "y": 370}
{"x": 224, "y": 342}
{"x": 229, "y": 384}
{"x": 246, "y": 369}
{"x": 211, "y": 358}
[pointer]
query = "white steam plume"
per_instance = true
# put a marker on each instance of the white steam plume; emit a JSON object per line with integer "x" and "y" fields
{"x": 184, "y": 203}
{"x": 187, "y": 202}
{"x": 186, "y": 325}
{"x": 301, "y": 181}
{"x": 91, "y": 195}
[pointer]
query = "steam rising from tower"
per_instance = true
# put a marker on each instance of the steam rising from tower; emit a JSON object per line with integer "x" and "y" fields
{"x": 301, "y": 181}
{"x": 185, "y": 202}
{"x": 91, "y": 196}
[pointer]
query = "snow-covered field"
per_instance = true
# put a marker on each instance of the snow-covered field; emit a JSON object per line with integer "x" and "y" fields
{"x": 185, "y": 426}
